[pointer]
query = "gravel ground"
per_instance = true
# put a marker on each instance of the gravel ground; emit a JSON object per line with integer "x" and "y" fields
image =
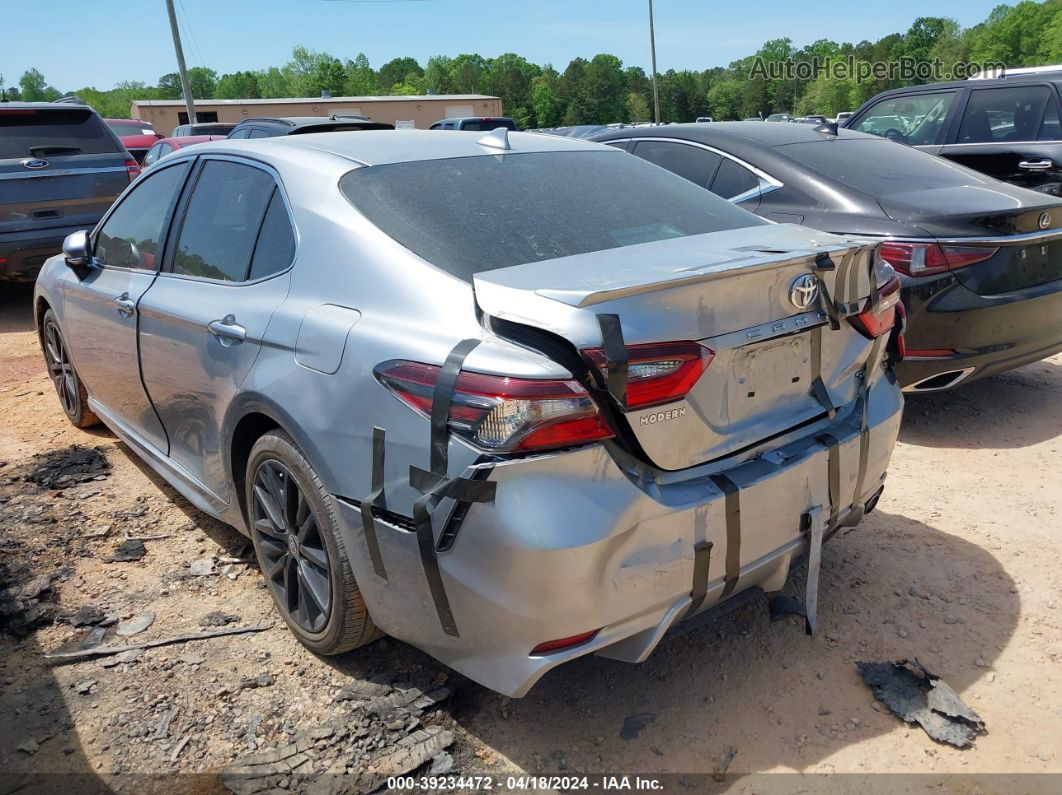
{"x": 958, "y": 568}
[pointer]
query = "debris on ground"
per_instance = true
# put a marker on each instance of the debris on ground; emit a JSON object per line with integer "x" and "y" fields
{"x": 128, "y": 551}
{"x": 68, "y": 466}
{"x": 101, "y": 651}
{"x": 217, "y": 618}
{"x": 918, "y": 696}
{"x": 135, "y": 626}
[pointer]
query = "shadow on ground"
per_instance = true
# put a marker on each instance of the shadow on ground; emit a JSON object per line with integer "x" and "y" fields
{"x": 894, "y": 588}
{"x": 1015, "y": 409}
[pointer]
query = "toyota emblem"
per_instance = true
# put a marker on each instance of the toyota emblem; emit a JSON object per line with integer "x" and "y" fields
{"x": 1045, "y": 220}
{"x": 804, "y": 291}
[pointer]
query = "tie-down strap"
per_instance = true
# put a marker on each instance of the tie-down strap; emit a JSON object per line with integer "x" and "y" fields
{"x": 435, "y": 486}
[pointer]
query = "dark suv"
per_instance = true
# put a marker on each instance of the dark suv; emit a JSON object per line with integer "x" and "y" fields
{"x": 265, "y": 127}
{"x": 1006, "y": 127}
{"x": 477, "y": 123}
{"x": 61, "y": 167}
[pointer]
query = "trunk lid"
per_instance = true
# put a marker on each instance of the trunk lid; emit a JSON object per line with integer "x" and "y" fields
{"x": 728, "y": 290}
{"x": 59, "y": 167}
{"x": 1024, "y": 225}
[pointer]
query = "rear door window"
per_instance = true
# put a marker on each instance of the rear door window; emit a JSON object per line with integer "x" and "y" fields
{"x": 222, "y": 220}
{"x": 1003, "y": 114}
{"x": 257, "y": 132}
{"x": 39, "y": 132}
{"x": 915, "y": 119}
{"x": 692, "y": 162}
{"x": 275, "y": 248}
{"x": 732, "y": 180}
{"x": 130, "y": 237}
{"x": 1050, "y": 128}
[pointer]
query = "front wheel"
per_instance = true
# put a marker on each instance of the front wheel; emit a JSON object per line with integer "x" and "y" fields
{"x": 72, "y": 393}
{"x": 296, "y": 538}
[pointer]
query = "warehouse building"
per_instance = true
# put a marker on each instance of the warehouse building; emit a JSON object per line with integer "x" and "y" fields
{"x": 418, "y": 111}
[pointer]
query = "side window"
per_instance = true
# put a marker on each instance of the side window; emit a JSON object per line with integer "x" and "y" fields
{"x": 916, "y": 119}
{"x": 153, "y": 154}
{"x": 130, "y": 237}
{"x": 258, "y": 133}
{"x": 240, "y": 133}
{"x": 222, "y": 220}
{"x": 617, "y": 144}
{"x": 1003, "y": 114}
{"x": 732, "y": 180}
{"x": 695, "y": 164}
{"x": 1050, "y": 128}
{"x": 276, "y": 242}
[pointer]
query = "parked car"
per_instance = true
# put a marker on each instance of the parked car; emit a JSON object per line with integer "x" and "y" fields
{"x": 136, "y": 136}
{"x": 980, "y": 260}
{"x": 1006, "y": 127}
{"x": 60, "y": 169}
{"x": 474, "y": 123}
{"x": 705, "y": 120}
{"x": 203, "y": 128}
{"x": 813, "y": 119}
{"x": 842, "y": 117}
{"x": 618, "y": 418}
{"x": 263, "y": 127}
{"x": 168, "y": 146}
{"x": 779, "y": 117}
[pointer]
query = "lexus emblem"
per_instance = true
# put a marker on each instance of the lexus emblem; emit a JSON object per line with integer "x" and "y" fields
{"x": 1045, "y": 220}
{"x": 804, "y": 291}
{"x": 35, "y": 163}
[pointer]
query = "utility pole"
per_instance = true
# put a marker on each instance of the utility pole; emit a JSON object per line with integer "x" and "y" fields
{"x": 189, "y": 104}
{"x": 652, "y": 47}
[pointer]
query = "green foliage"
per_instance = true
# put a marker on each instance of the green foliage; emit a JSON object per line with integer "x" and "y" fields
{"x": 602, "y": 90}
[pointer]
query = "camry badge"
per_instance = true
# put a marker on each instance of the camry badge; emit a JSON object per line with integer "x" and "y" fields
{"x": 35, "y": 163}
{"x": 1045, "y": 220}
{"x": 804, "y": 291}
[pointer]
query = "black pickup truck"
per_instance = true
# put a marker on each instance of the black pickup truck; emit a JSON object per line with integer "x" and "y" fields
{"x": 61, "y": 167}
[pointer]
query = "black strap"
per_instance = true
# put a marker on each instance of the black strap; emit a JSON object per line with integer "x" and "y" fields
{"x": 841, "y": 280}
{"x": 615, "y": 357}
{"x": 702, "y": 556}
{"x": 811, "y": 593}
{"x": 833, "y": 457}
{"x": 422, "y": 509}
{"x": 375, "y": 498}
{"x": 824, "y": 264}
{"x": 818, "y": 386}
{"x": 864, "y": 429}
{"x": 732, "y": 508}
{"x": 440, "y": 406}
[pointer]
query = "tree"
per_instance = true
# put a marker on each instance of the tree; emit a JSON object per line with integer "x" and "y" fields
{"x": 238, "y": 85}
{"x": 361, "y": 78}
{"x": 34, "y": 88}
{"x": 637, "y": 107}
{"x": 510, "y": 79}
{"x": 605, "y": 89}
{"x": 169, "y": 86}
{"x": 468, "y": 74}
{"x": 202, "y": 82}
{"x": 396, "y": 70}
{"x": 544, "y": 101}
{"x": 437, "y": 76}
{"x": 274, "y": 83}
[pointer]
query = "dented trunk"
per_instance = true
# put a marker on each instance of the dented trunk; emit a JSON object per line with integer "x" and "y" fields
{"x": 751, "y": 296}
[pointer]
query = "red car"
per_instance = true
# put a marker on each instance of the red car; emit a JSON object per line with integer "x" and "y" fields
{"x": 164, "y": 146}
{"x": 136, "y": 136}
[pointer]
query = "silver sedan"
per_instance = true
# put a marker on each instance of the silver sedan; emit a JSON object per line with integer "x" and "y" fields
{"x": 512, "y": 399}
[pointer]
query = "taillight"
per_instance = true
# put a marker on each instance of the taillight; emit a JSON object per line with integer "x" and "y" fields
{"x": 659, "y": 373}
{"x": 875, "y": 323}
{"x": 499, "y": 413}
{"x": 132, "y": 168}
{"x": 924, "y": 259}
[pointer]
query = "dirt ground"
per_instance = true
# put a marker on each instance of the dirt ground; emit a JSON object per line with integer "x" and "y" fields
{"x": 958, "y": 567}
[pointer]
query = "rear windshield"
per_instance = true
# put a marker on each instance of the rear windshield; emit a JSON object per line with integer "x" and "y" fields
{"x": 485, "y": 125}
{"x": 130, "y": 128}
{"x": 473, "y": 214}
{"x": 33, "y": 132}
{"x": 879, "y": 167}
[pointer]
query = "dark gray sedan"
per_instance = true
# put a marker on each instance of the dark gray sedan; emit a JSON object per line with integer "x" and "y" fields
{"x": 980, "y": 260}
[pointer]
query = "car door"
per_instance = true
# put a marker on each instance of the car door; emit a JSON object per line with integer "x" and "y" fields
{"x": 203, "y": 321}
{"x": 1012, "y": 133}
{"x": 919, "y": 119}
{"x": 100, "y": 307}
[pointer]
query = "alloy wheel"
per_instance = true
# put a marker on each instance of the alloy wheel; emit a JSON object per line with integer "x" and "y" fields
{"x": 292, "y": 552}
{"x": 60, "y": 370}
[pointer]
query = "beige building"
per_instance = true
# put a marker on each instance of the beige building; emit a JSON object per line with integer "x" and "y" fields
{"x": 420, "y": 112}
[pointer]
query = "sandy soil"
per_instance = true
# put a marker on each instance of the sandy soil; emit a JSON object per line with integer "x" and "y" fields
{"x": 958, "y": 567}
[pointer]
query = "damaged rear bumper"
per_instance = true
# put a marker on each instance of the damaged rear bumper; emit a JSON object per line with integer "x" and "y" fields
{"x": 572, "y": 543}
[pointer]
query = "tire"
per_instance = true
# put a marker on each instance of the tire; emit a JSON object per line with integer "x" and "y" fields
{"x": 291, "y": 563}
{"x": 73, "y": 396}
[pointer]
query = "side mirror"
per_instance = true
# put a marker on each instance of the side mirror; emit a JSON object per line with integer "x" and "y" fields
{"x": 77, "y": 249}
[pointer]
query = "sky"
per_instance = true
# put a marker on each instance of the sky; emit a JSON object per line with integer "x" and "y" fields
{"x": 99, "y": 43}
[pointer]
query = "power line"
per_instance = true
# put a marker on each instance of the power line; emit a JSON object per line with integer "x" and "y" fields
{"x": 191, "y": 33}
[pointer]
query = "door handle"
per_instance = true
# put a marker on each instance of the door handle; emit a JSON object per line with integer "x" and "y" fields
{"x": 227, "y": 330}
{"x": 125, "y": 305}
{"x": 1036, "y": 165}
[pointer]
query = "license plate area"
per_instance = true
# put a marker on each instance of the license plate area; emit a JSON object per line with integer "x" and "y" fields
{"x": 770, "y": 375}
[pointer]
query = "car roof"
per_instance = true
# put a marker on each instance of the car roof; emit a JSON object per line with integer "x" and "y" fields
{"x": 987, "y": 82}
{"x": 378, "y": 147}
{"x": 467, "y": 118}
{"x": 42, "y": 105}
{"x": 186, "y": 140}
{"x": 760, "y": 133}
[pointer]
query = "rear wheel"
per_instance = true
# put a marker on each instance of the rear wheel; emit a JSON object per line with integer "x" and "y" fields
{"x": 73, "y": 396}
{"x": 300, "y": 551}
